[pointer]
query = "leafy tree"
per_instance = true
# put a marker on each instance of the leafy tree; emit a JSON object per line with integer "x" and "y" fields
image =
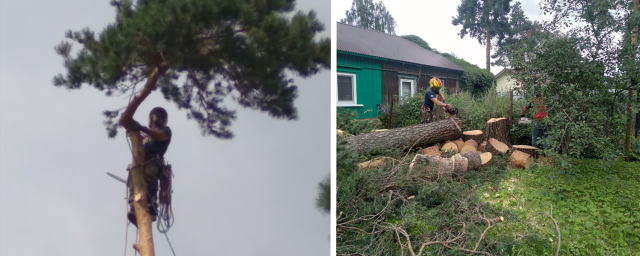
{"x": 483, "y": 20}
{"x": 520, "y": 27}
{"x": 370, "y": 15}
{"x": 419, "y": 41}
{"x": 222, "y": 49}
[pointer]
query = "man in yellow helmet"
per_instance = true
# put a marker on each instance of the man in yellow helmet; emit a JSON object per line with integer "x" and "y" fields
{"x": 430, "y": 98}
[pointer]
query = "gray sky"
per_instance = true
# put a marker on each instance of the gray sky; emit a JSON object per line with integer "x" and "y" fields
{"x": 252, "y": 195}
{"x": 431, "y": 20}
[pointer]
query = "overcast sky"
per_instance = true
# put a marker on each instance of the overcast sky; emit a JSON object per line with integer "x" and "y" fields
{"x": 252, "y": 195}
{"x": 431, "y": 20}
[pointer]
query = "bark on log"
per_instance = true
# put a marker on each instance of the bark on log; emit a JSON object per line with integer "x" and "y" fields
{"x": 521, "y": 160}
{"x": 482, "y": 146}
{"x": 450, "y": 147}
{"x": 496, "y": 147}
{"x": 460, "y": 166}
{"x": 435, "y": 167}
{"x": 473, "y": 157}
{"x": 498, "y": 128}
{"x": 476, "y": 135}
{"x": 372, "y": 164}
{"x": 143, "y": 219}
{"x": 533, "y": 151}
{"x": 418, "y": 135}
{"x": 486, "y": 158}
{"x": 433, "y": 150}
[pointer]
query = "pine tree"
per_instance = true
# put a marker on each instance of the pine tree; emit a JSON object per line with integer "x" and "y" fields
{"x": 483, "y": 20}
{"x": 217, "y": 48}
{"x": 370, "y": 15}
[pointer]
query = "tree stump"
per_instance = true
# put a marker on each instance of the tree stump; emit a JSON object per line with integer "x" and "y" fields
{"x": 450, "y": 147}
{"x": 533, "y": 151}
{"x": 520, "y": 159}
{"x": 482, "y": 146}
{"x": 486, "y": 158}
{"x": 470, "y": 145}
{"x": 496, "y": 147}
{"x": 498, "y": 128}
{"x": 419, "y": 135}
{"x": 473, "y": 159}
{"x": 433, "y": 150}
{"x": 476, "y": 135}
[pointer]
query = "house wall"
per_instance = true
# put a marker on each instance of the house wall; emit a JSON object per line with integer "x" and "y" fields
{"x": 368, "y": 81}
{"x": 504, "y": 83}
{"x": 392, "y": 70}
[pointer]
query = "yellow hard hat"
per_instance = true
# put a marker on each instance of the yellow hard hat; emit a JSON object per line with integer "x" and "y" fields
{"x": 435, "y": 82}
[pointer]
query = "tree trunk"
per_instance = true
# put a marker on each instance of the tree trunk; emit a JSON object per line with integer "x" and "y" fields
{"x": 634, "y": 34}
{"x": 460, "y": 166}
{"x": 488, "y": 51}
{"x": 459, "y": 144}
{"x": 482, "y": 146}
{"x": 473, "y": 158}
{"x": 476, "y": 135}
{"x": 533, "y": 151}
{"x": 143, "y": 218}
{"x": 521, "y": 160}
{"x": 498, "y": 128}
{"x": 418, "y": 135}
{"x": 450, "y": 147}
{"x": 435, "y": 167}
{"x": 496, "y": 147}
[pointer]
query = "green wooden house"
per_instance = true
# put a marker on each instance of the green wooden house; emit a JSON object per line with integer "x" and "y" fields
{"x": 375, "y": 69}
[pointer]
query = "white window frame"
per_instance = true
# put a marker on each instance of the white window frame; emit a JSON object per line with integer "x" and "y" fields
{"x": 413, "y": 87}
{"x": 354, "y": 102}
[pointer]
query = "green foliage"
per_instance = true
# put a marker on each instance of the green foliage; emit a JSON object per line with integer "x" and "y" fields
{"x": 520, "y": 27}
{"x": 370, "y": 15}
{"x": 347, "y": 122}
{"x": 418, "y": 40}
{"x": 224, "y": 49}
{"x": 323, "y": 201}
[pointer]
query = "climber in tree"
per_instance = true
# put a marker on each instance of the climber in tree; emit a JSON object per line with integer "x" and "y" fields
{"x": 430, "y": 98}
{"x": 156, "y": 141}
{"x": 538, "y": 129}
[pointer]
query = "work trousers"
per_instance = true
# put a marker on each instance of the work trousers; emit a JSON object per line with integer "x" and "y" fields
{"x": 539, "y": 130}
{"x": 151, "y": 174}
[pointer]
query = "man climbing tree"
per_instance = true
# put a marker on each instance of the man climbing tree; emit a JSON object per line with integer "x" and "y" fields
{"x": 156, "y": 143}
{"x": 197, "y": 52}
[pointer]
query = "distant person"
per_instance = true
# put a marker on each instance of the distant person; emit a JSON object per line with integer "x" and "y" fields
{"x": 539, "y": 129}
{"x": 430, "y": 98}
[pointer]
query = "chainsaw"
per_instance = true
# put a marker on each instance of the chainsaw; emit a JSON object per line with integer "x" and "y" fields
{"x": 450, "y": 109}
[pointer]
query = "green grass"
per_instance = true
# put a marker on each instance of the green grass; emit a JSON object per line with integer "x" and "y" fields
{"x": 597, "y": 209}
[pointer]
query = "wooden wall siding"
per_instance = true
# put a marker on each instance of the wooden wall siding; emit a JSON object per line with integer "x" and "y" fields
{"x": 390, "y": 87}
{"x": 413, "y": 69}
{"x": 369, "y": 91}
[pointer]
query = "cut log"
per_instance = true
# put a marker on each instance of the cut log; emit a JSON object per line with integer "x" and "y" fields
{"x": 433, "y": 150}
{"x": 520, "y": 159}
{"x": 372, "y": 164}
{"x": 459, "y": 143}
{"x": 496, "y": 147}
{"x": 450, "y": 147}
{"x": 433, "y": 167}
{"x": 469, "y": 145}
{"x": 473, "y": 158}
{"x": 482, "y": 146}
{"x": 419, "y": 135}
{"x": 460, "y": 166}
{"x": 533, "y": 151}
{"x": 498, "y": 128}
{"x": 476, "y": 135}
{"x": 485, "y": 158}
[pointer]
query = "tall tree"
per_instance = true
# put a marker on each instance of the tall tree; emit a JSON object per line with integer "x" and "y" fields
{"x": 519, "y": 28}
{"x": 218, "y": 49}
{"x": 419, "y": 41}
{"x": 370, "y": 15}
{"x": 483, "y": 20}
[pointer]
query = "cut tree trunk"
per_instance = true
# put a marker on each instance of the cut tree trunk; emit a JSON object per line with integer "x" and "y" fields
{"x": 482, "y": 146}
{"x": 143, "y": 218}
{"x": 419, "y": 135}
{"x": 498, "y": 128}
{"x": 450, "y": 147}
{"x": 496, "y": 147}
{"x": 459, "y": 143}
{"x": 460, "y": 166}
{"x": 470, "y": 145}
{"x": 486, "y": 158}
{"x": 433, "y": 150}
{"x": 521, "y": 160}
{"x": 476, "y": 135}
{"x": 473, "y": 157}
{"x": 533, "y": 151}
{"x": 435, "y": 167}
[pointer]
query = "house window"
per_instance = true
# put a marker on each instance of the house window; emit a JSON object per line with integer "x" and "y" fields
{"x": 407, "y": 87}
{"x": 347, "y": 89}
